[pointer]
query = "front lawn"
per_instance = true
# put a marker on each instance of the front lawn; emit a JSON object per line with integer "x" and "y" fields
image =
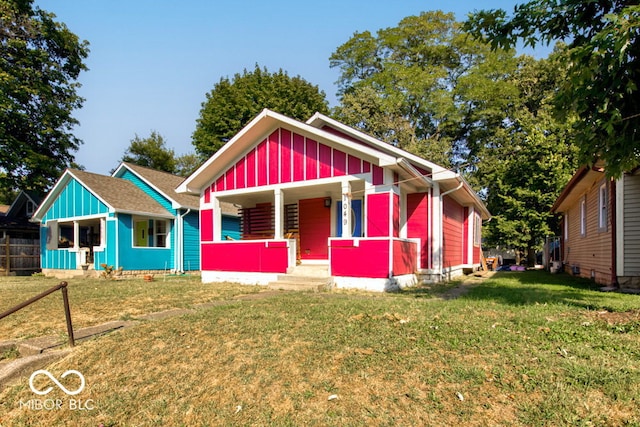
{"x": 519, "y": 349}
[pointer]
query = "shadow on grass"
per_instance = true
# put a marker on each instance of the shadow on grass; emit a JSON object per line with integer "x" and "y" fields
{"x": 541, "y": 287}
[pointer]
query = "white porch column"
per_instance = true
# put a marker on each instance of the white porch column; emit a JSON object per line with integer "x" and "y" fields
{"x": 279, "y": 213}
{"x": 436, "y": 223}
{"x": 346, "y": 209}
{"x": 471, "y": 227}
{"x": 619, "y": 221}
{"x": 76, "y": 235}
{"x": 217, "y": 219}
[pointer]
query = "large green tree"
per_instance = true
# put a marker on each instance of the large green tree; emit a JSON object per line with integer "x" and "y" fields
{"x": 232, "y": 103}
{"x": 603, "y": 67}
{"x": 428, "y": 87}
{"x": 151, "y": 152}
{"x": 401, "y": 85}
{"x": 526, "y": 162}
{"x": 40, "y": 61}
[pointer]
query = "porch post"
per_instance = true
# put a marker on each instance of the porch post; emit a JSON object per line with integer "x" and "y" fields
{"x": 436, "y": 230}
{"x": 279, "y": 213}
{"x": 346, "y": 209}
{"x": 217, "y": 219}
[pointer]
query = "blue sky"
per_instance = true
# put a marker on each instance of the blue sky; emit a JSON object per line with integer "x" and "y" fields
{"x": 153, "y": 61}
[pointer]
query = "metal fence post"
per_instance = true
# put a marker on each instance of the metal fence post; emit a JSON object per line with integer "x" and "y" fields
{"x": 67, "y": 313}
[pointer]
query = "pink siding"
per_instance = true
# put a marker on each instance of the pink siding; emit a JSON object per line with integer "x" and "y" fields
{"x": 298, "y": 157}
{"x": 312, "y": 159}
{"x": 418, "y": 223}
{"x": 251, "y": 168}
{"x": 207, "y": 194}
{"x": 339, "y": 163}
{"x": 378, "y": 175}
{"x": 324, "y": 157}
{"x": 274, "y": 153}
{"x": 250, "y": 256}
{"x": 378, "y": 215}
{"x": 369, "y": 259}
{"x": 206, "y": 225}
{"x": 262, "y": 163}
{"x": 405, "y": 257}
{"x": 285, "y": 156}
{"x": 452, "y": 230}
{"x": 240, "y": 171}
{"x": 354, "y": 165}
{"x": 229, "y": 179}
{"x": 396, "y": 215}
{"x": 465, "y": 237}
{"x": 285, "y": 152}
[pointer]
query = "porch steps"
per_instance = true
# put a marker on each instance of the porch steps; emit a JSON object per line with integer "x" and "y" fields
{"x": 311, "y": 278}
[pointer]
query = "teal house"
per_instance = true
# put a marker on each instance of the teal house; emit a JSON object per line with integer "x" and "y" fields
{"x": 133, "y": 220}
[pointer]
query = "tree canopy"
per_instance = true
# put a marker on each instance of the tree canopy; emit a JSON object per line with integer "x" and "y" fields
{"x": 603, "y": 66}
{"x": 403, "y": 84}
{"x": 428, "y": 87}
{"x": 232, "y": 103}
{"x": 40, "y": 61}
{"x": 151, "y": 152}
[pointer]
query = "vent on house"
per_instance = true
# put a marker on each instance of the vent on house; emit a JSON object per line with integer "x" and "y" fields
{"x": 575, "y": 269}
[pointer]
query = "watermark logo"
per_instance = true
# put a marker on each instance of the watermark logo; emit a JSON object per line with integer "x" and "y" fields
{"x": 57, "y": 404}
{"x": 60, "y": 386}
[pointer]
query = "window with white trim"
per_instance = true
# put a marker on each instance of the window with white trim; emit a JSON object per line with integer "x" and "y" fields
{"x": 583, "y": 216}
{"x": 566, "y": 227}
{"x": 477, "y": 230}
{"x": 150, "y": 233}
{"x": 603, "y": 207}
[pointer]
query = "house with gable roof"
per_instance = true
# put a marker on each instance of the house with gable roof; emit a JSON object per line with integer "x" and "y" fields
{"x": 132, "y": 220}
{"x": 601, "y": 227}
{"x": 324, "y": 194}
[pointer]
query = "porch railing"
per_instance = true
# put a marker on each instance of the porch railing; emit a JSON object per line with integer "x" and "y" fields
{"x": 62, "y": 286}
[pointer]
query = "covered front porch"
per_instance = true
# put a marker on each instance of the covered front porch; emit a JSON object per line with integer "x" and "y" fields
{"x": 346, "y": 225}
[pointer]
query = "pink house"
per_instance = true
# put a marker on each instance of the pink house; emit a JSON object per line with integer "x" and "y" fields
{"x": 321, "y": 193}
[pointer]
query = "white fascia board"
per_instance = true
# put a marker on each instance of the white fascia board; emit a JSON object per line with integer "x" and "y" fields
{"x": 318, "y": 119}
{"x": 262, "y": 125}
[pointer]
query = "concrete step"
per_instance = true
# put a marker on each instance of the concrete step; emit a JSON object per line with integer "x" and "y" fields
{"x": 310, "y": 270}
{"x": 298, "y": 286}
{"x": 302, "y": 279}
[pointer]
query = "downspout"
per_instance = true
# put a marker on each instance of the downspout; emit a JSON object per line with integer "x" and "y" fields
{"x": 614, "y": 233}
{"x": 180, "y": 238}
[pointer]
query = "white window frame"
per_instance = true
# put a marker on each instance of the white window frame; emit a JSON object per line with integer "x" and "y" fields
{"x": 566, "y": 226}
{"x": 583, "y": 216}
{"x": 154, "y": 227}
{"x": 603, "y": 207}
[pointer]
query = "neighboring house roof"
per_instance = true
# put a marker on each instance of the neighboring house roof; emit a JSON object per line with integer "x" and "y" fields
{"x": 17, "y": 216}
{"x": 579, "y": 183}
{"x": 3, "y": 209}
{"x": 164, "y": 183}
{"x": 120, "y": 195}
{"x": 353, "y": 141}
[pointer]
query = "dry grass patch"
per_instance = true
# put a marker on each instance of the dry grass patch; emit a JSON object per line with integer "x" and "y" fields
{"x": 353, "y": 360}
{"x": 94, "y": 301}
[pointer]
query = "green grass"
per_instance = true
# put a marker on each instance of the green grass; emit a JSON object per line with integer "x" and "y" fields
{"x": 94, "y": 301}
{"x": 519, "y": 349}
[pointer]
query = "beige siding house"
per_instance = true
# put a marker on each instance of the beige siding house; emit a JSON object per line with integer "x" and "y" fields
{"x": 601, "y": 227}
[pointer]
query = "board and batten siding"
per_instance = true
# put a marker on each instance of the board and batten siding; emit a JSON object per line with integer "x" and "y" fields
{"x": 589, "y": 254}
{"x": 191, "y": 232}
{"x": 75, "y": 201}
{"x": 631, "y": 226}
{"x": 453, "y": 233}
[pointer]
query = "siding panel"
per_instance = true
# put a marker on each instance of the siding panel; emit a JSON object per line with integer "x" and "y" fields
{"x": 631, "y": 226}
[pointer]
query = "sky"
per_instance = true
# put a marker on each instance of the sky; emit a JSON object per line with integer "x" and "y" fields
{"x": 152, "y": 62}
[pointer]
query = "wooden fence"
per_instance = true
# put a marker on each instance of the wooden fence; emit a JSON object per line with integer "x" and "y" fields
{"x": 19, "y": 256}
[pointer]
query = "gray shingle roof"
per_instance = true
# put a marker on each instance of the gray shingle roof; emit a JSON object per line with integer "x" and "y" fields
{"x": 120, "y": 194}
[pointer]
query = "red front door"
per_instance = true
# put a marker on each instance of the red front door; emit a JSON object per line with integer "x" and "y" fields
{"x": 315, "y": 228}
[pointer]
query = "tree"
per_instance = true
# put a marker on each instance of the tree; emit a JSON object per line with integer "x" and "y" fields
{"x": 151, "y": 152}
{"x": 40, "y": 61}
{"x": 231, "y": 104}
{"x": 401, "y": 84}
{"x": 186, "y": 164}
{"x": 526, "y": 162}
{"x": 428, "y": 87}
{"x": 603, "y": 66}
